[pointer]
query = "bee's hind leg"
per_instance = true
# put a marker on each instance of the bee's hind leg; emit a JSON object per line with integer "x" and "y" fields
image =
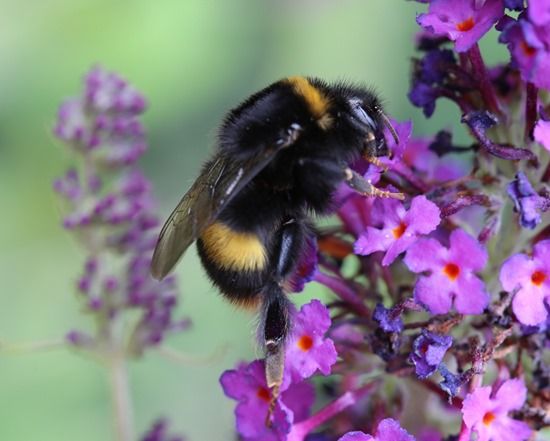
{"x": 276, "y": 308}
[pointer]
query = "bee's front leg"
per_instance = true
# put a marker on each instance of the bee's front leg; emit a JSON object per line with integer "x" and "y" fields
{"x": 364, "y": 187}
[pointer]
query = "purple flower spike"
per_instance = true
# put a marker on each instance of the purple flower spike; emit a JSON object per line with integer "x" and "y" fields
{"x": 451, "y": 277}
{"x": 307, "y": 349}
{"x": 486, "y": 413}
{"x": 428, "y": 352}
{"x": 401, "y": 228}
{"x": 531, "y": 276}
{"x": 462, "y": 22}
{"x": 388, "y": 430}
{"x": 527, "y": 201}
{"x": 247, "y": 385}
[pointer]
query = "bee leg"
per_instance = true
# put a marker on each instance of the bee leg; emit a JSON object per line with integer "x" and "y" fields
{"x": 364, "y": 187}
{"x": 276, "y": 307}
{"x": 275, "y": 319}
{"x": 376, "y": 161}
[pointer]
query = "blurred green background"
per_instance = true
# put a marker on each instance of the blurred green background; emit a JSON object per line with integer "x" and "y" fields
{"x": 193, "y": 59}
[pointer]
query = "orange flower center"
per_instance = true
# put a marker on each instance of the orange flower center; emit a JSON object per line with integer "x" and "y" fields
{"x": 305, "y": 343}
{"x": 538, "y": 278}
{"x": 399, "y": 230}
{"x": 488, "y": 418}
{"x": 424, "y": 348}
{"x": 527, "y": 50}
{"x": 465, "y": 25}
{"x": 451, "y": 270}
{"x": 263, "y": 394}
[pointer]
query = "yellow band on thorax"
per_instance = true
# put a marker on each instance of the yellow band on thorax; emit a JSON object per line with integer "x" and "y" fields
{"x": 316, "y": 101}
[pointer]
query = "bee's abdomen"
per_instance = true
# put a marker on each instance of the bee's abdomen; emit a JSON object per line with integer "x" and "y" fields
{"x": 236, "y": 262}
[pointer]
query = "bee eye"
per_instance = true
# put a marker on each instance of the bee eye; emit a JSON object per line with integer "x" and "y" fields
{"x": 360, "y": 113}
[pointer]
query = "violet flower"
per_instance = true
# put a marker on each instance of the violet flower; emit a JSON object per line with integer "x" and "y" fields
{"x": 307, "y": 348}
{"x": 531, "y": 277}
{"x": 428, "y": 351}
{"x": 451, "y": 276}
{"x": 400, "y": 228}
{"x": 486, "y": 412}
{"x": 247, "y": 385}
{"x": 529, "y": 47}
{"x": 462, "y": 22}
{"x": 389, "y": 319}
{"x": 527, "y": 202}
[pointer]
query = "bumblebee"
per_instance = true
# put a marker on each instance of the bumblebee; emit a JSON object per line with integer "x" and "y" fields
{"x": 280, "y": 156}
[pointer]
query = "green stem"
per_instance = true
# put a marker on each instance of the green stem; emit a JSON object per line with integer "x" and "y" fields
{"x": 122, "y": 401}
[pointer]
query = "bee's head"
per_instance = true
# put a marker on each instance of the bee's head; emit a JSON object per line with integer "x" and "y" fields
{"x": 369, "y": 117}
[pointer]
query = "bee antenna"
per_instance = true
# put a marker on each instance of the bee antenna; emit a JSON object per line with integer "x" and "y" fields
{"x": 388, "y": 125}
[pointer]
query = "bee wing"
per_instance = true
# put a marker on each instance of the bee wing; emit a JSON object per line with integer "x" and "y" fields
{"x": 220, "y": 181}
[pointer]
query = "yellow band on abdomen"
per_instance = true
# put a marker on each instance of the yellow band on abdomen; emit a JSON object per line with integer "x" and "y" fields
{"x": 230, "y": 249}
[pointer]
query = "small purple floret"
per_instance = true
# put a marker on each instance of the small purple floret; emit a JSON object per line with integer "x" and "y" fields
{"x": 428, "y": 352}
{"x": 388, "y": 319}
{"x": 530, "y": 276}
{"x": 462, "y": 22}
{"x": 307, "y": 349}
{"x": 451, "y": 276}
{"x": 527, "y": 201}
{"x": 486, "y": 413}
{"x": 398, "y": 228}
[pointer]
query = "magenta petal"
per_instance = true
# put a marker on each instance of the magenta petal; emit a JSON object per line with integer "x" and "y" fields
{"x": 372, "y": 240}
{"x": 475, "y": 405}
{"x": 467, "y": 251}
{"x": 541, "y": 253}
{"x": 423, "y": 215}
{"x": 299, "y": 398}
{"x": 356, "y": 436}
{"x": 398, "y": 247}
{"x": 508, "y": 429}
{"x": 515, "y": 271}
{"x": 433, "y": 293}
{"x": 424, "y": 255}
{"x": 511, "y": 395}
{"x": 235, "y": 383}
{"x": 539, "y": 12}
{"x": 471, "y": 296}
{"x": 390, "y": 430}
{"x": 528, "y": 305}
{"x": 542, "y": 133}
